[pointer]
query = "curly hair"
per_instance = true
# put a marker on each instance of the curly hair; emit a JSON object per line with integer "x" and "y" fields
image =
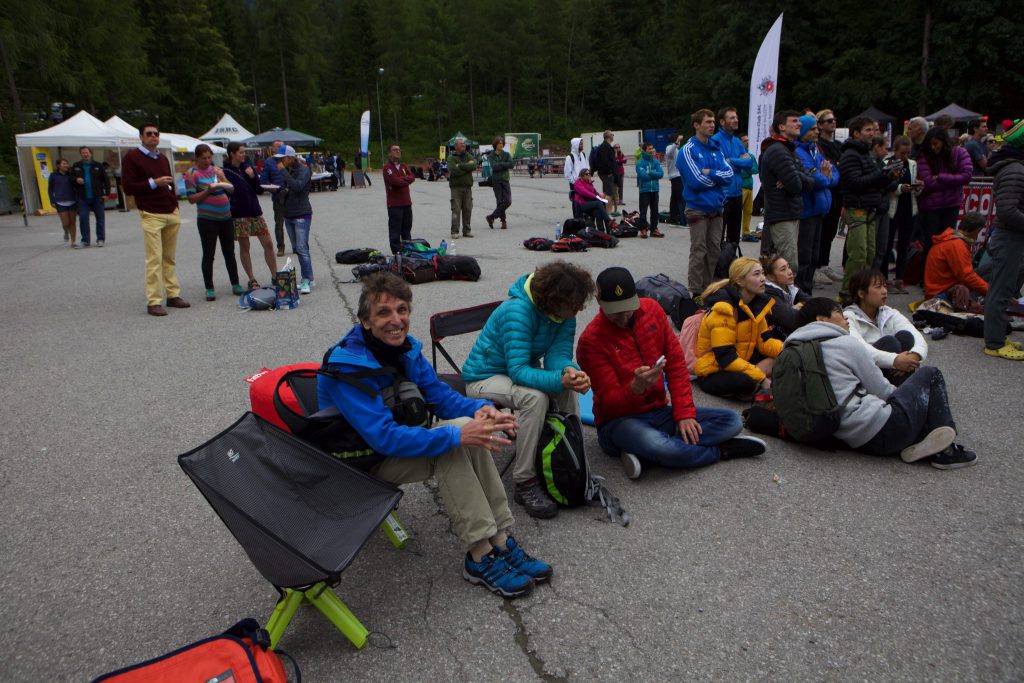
{"x": 560, "y": 285}
{"x": 378, "y": 284}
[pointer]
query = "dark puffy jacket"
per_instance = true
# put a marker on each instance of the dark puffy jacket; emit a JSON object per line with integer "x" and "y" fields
{"x": 778, "y": 162}
{"x": 860, "y": 178}
{"x": 1007, "y": 165}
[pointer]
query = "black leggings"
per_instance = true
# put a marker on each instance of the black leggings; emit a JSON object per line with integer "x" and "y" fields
{"x": 209, "y": 232}
{"x": 732, "y": 219}
{"x": 919, "y": 405}
{"x": 897, "y": 343}
{"x": 728, "y": 384}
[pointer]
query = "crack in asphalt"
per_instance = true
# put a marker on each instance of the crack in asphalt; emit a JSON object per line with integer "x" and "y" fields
{"x": 522, "y": 638}
{"x": 604, "y": 613}
{"x": 336, "y": 280}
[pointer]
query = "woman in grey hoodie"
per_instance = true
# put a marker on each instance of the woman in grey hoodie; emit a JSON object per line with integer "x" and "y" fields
{"x": 913, "y": 420}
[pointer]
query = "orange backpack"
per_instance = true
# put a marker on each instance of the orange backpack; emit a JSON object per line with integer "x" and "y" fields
{"x": 241, "y": 654}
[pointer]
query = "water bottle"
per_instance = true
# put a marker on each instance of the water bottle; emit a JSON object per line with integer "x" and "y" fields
{"x": 558, "y": 231}
{"x": 451, "y": 249}
{"x": 443, "y": 249}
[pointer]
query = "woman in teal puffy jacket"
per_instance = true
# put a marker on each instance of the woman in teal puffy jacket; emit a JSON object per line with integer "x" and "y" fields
{"x": 523, "y": 360}
{"x": 648, "y": 175}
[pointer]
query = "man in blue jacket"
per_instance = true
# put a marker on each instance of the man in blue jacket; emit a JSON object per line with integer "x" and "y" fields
{"x": 379, "y": 354}
{"x": 817, "y": 202}
{"x": 523, "y": 360}
{"x": 706, "y": 174}
{"x": 739, "y": 159}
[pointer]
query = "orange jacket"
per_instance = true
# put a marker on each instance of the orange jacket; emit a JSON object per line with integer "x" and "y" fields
{"x": 949, "y": 263}
{"x": 730, "y": 333}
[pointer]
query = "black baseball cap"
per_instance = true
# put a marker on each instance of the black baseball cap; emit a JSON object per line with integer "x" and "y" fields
{"x": 616, "y": 291}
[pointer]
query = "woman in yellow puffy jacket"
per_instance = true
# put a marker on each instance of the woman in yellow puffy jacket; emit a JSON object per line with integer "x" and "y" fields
{"x": 734, "y": 352}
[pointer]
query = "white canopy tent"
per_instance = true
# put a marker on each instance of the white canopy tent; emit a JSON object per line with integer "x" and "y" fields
{"x": 82, "y": 129}
{"x": 176, "y": 142}
{"x": 226, "y": 130}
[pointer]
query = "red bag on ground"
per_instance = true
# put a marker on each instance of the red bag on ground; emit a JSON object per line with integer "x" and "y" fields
{"x": 261, "y": 392}
{"x": 241, "y": 654}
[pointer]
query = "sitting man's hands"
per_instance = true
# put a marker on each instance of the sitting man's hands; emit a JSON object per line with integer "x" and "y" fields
{"x": 645, "y": 377}
{"x": 485, "y": 427}
{"x": 689, "y": 430}
{"x": 574, "y": 379}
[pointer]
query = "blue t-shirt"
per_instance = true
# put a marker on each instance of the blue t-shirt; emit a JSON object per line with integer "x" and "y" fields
{"x": 87, "y": 170}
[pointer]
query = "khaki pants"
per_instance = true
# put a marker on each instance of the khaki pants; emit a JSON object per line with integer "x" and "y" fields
{"x": 748, "y": 209}
{"x": 531, "y": 405}
{"x": 160, "y": 239}
{"x": 705, "y": 246}
{"x": 783, "y": 238}
{"x": 860, "y": 243}
{"x": 469, "y": 482}
{"x": 462, "y": 207}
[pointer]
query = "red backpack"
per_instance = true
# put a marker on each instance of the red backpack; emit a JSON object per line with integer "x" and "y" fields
{"x": 241, "y": 654}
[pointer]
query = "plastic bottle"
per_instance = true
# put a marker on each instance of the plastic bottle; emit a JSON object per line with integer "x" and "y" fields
{"x": 443, "y": 249}
{"x": 451, "y": 249}
{"x": 558, "y": 231}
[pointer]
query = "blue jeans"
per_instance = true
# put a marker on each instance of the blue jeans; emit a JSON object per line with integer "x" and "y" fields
{"x": 298, "y": 233}
{"x": 654, "y": 438}
{"x": 96, "y": 205}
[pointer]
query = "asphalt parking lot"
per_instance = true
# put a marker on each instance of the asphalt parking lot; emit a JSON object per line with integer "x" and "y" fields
{"x": 799, "y": 565}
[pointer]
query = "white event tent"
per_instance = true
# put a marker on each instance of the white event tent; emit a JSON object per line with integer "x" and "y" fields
{"x": 176, "y": 142}
{"x": 226, "y": 130}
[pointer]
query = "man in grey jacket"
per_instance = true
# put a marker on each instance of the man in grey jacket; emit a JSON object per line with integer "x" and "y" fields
{"x": 1007, "y": 243}
{"x": 784, "y": 180}
{"x": 913, "y": 420}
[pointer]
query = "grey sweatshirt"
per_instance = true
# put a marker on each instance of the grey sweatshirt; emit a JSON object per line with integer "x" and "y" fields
{"x": 850, "y": 369}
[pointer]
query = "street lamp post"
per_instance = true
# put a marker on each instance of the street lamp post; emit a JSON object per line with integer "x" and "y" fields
{"x": 380, "y": 126}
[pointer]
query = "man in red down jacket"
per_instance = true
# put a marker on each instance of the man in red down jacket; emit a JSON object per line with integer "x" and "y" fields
{"x": 628, "y": 350}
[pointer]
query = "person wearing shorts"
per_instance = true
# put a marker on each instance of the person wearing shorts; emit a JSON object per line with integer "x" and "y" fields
{"x": 61, "y": 190}
{"x": 246, "y": 211}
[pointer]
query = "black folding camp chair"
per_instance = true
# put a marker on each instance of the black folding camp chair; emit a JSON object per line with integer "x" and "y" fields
{"x": 453, "y": 323}
{"x": 300, "y": 515}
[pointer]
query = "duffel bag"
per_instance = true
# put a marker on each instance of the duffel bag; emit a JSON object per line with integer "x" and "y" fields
{"x": 538, "y": 244}
{"x": 596, "y": 238}
{"x": 415, "y": 271}
{"x": 457, "y": 268}
{"x": 354, "y": 256}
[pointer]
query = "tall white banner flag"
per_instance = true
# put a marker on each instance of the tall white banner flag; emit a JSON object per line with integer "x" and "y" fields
{"x": 364, "y": 137}
{"x": 764, "y": 82}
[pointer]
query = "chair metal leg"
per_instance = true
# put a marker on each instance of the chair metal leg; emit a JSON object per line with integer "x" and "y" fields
{"x": 284, "y": 610}
{"x": 395, "y": 532}
{"x": 325, "y": 600}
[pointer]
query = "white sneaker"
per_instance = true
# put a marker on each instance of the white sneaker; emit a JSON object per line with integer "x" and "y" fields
{"x": 631, "y": 465}
{"x": 304, "y": 287}
{"x": 312, "y": 284}
{"x": 99, "y": 243}
{"x": 934, "y": 442}
{"x": 834, "y": 273}
{"x": 820, "y": 278}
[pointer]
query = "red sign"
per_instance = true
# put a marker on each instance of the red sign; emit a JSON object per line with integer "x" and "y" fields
{"x": 978, "y": 197}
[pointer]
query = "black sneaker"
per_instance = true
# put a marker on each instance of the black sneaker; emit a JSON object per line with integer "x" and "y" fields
{"x": 742, "y": 447}
{"x": 953, "y": 458}
{"x": 531, "y": 496}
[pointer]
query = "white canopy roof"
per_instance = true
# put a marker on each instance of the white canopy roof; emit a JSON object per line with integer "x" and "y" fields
{"x": 227, "y": 129}
{"x": 81, "y": 129}
{"x": 183, "y": 144}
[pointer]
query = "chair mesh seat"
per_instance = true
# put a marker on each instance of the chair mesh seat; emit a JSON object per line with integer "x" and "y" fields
{"x": 300, "y": 515}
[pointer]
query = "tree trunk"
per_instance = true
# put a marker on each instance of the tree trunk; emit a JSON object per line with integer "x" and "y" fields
{"x": 284, "y": 86}
{"x": 922, "y": 105}
{"x": 549, "y": 98}
{"x": 508, "y": 110}
{"x": 15, "y": 96}
{"x": 568, "y": 69}
{"x": 472, "y": 108}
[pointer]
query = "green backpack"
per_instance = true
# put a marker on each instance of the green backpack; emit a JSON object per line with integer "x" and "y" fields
{"x": 804, "y": 400}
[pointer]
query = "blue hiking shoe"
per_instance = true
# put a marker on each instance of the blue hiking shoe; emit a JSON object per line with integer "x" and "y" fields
{"x": 521, "y": 561}
{"x": 495, "y": 574}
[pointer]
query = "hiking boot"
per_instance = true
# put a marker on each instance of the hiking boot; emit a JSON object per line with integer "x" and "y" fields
{"x": 504, "y": 225}
{"x": 742, "y": 447}
{"x": 657, "y": 233}
{"x": 490, "y": 222}
{"x": 643, "y": 234}
{"x": 524, "y": 563}
{"x": 934, "y": 442}
{"x": 1009, "y": 351}
{"x": 496, "y": 575}
{"x": 211, "y": 295}
{"x": 953, "y": 458}
{"x": 531, "y": 496}
{"x": 630, "y": 465}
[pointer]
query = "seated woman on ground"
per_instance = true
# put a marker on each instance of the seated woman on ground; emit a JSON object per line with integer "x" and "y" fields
{"x": 779, "y": 279}
{"x": 734, "y": 350}
{"x": 896, "y": 346}
{"x": 588, "y": 199}
{"x": 913, "y": 420}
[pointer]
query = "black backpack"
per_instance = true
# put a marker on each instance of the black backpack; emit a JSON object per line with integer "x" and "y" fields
{"x": 673, "y": 297}
{"x": 803, "y": 395}
{"x": 457, "y": 268}
{"x": 565, "y": 472}
{"x": 730, "y": 252}
{"x": 353, "y": 256}
{"x": 571, "y": 226}
{"x": 538, "y": 244}
{"x": 413, "y": 270}
{"x": 596, "y": 238}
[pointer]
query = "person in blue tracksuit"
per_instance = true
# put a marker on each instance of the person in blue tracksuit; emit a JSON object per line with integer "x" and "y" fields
{"x": 739, "y": 159}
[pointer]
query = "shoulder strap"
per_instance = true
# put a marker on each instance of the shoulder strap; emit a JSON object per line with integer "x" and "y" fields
{"x": 351, "y": 377}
